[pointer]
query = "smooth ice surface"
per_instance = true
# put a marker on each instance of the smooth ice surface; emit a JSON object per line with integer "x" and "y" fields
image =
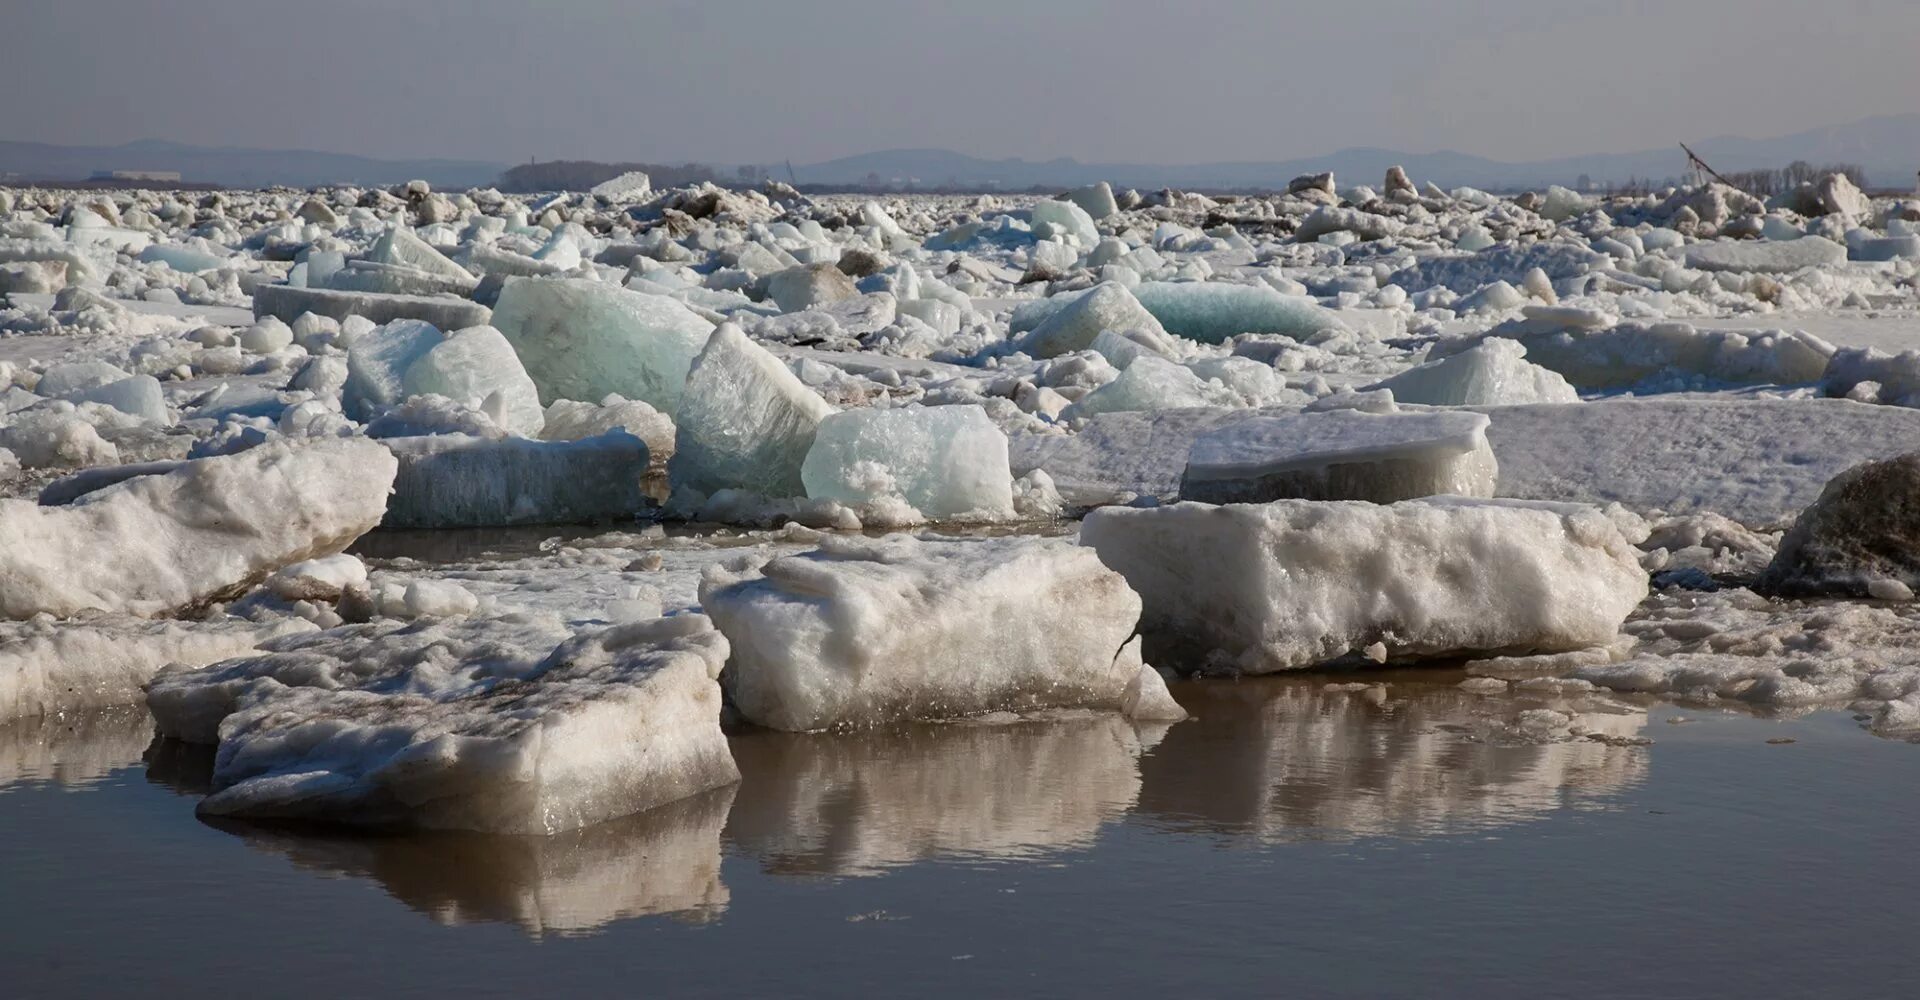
{"x": 1627, "y": 354}
{"x": 1212, "y": 312}
{"x": 943, "y": 461}
{"x": 582, "y": 340}
{"x": 745, "y": 421}
{"x": 1286, "y": 585}
{"x": 51, "y": 667}
{"x": 1765, "y": 256}
{"x": 1107, "y": 306}
{"x": 1494, "y": 372}
{"x": 1757, "y": 461}
{"x": 286, "y": 303}
{"x": 1342, "y": 455}
{"x": 164, "y": 543}
{"x": 462, "y": 481}
{"x": 478, "y": 368}
{"x": 478, "y": 726}
{"x": 864, "y": 632}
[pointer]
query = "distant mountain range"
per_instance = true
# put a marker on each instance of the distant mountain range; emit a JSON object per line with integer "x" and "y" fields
{"x": 1887, "y": 147}
{"x": 231, "y": 167}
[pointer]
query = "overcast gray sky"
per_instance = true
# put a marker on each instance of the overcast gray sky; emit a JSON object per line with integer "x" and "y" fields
{"x": 1119, "y": 80}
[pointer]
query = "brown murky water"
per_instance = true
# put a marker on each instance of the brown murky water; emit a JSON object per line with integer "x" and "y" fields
{"x": 1292, "y": 839}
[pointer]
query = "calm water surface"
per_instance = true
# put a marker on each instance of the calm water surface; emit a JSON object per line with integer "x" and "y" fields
{"x": 1291, "y": 840}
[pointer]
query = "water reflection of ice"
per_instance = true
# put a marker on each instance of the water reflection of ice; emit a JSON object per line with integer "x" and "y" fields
{"x": 1283, "y": 758}
{"x": 72, "y": 749}
{"x": 665, "y": 861}
{"x": 855, "y": 804}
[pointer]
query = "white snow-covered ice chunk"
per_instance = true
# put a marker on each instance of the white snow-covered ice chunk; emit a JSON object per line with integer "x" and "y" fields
{"x": 1120, "y": 349}
{"x": 1268, "y": 587}
{"x": 184, "y": 259}
{"x": 323, "y": 579}
{"x": 631, "y": 186}
{"x": 943, "y": 461}
{"x": 49, "y": 667}
{"x": 162, "y": 543}
{"x": 478, "y": 368}
{"x": 404, "y": 247}
{"x": 1561, "y": 204}
{"x": 1757, "y": 461}
{"x": 1149, "y": 383}
{"x": 445, "y": 312}
{"x": 1063, "y": 219}
{"x": 1494, "y": 372}
{"x": 1213, "y": 312}
{"x": 583, "y": 340}
{"x": 745, "y": 420}
{"x": 1343, "y": 455}
{"x": 571, "y": 420}
{"x": 864, "y": 632}
{"x": 463, "y": 481}
{"x": 45, "y": 438}
{"x": 1873, "y": 376}
{"x": 605, "y": 724}
{"x": 810, "y": 286}
{"x": 139, "y": 396}
{"x": 1765, "y": 256}
{"x": 1105, "y": 307}
{"x": 70, "y": 377}
{"x": 378, "y": 362}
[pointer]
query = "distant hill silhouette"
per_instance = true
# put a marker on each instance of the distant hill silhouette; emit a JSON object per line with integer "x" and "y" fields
{"x": 1887, "y": 148}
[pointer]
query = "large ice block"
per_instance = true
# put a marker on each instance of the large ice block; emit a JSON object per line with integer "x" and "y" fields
{"x": 944, "y": 461}
{"x": 1106, "y": 306}
{"x": 1342, "y": 455}
{"x": 286, "y": 303}
{"x": 1493, "y": 373}
{"x": 864, "y": 632}
{"x": 582, "y": 339}
{"x": 378, "y": 362}
{"x": 1285, "y": 585}
{"x": 1212, "y": 312}
{"x": 165, "y": 543}
{"x": 484, "y": 725}
{"x": 477, "y": 367}
{"x": 745, "y": 420}
{"x": 462, "y": 481}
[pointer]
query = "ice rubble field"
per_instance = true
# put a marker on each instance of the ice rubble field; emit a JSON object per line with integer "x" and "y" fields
{"x": 857, "y": 463}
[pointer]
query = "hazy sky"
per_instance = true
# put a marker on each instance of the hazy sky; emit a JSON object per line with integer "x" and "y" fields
{"x": 732, "y": 81}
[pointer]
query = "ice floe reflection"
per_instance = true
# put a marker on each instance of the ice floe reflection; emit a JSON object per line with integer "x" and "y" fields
{"x": 72, "y": 749}
{"x": 1393, "y": 755}
{"x": 1289, "y": 758}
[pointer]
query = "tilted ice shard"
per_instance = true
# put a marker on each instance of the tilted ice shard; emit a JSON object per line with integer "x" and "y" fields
{"x": 582, "y": 339}
{"x": 378, "y": 362}
{"x": 944, "y": 461}
{"x": 745, "y": 421}
{"x": 1343, "y": 455}
{"x": 1285, "y": 585}
{"x": 164, "y": 543}
{"x": 868, "y": 631}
